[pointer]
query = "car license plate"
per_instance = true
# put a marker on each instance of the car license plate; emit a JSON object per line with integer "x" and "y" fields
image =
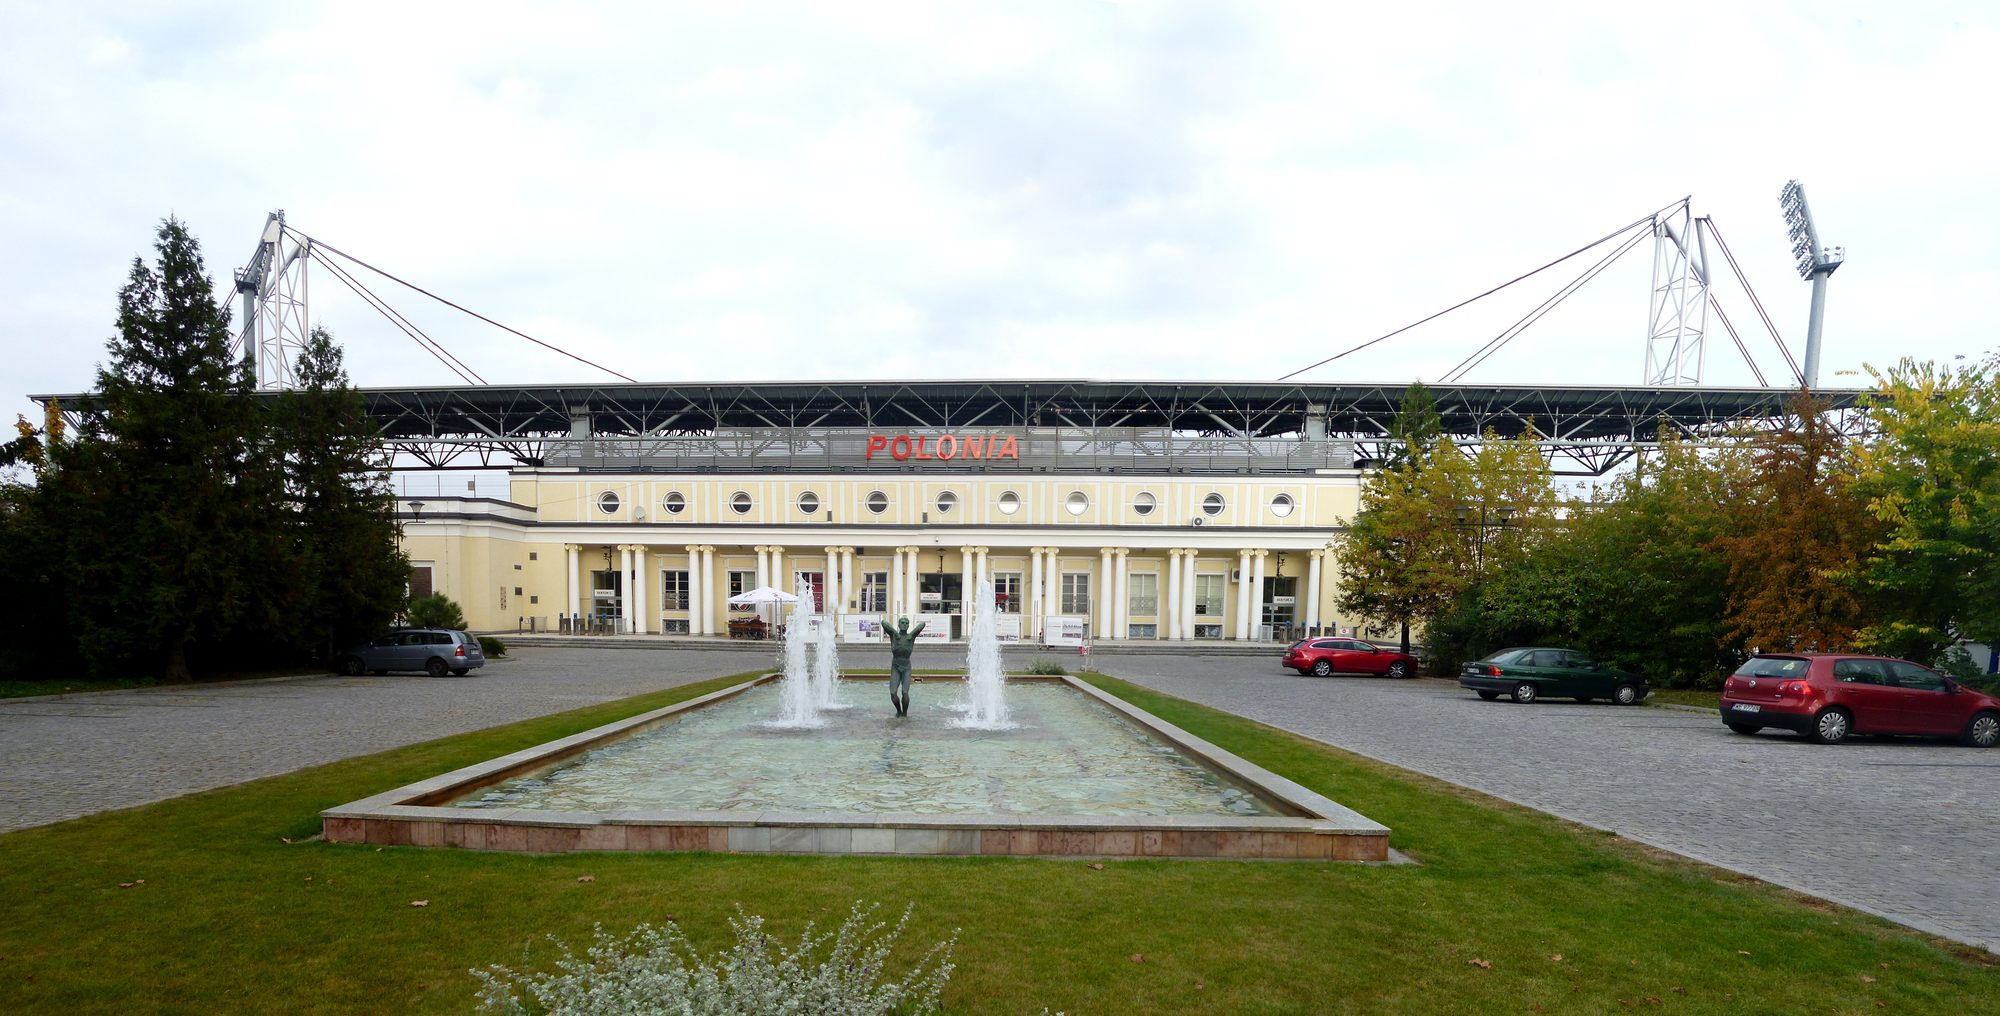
{"x": 1747, "y": 709}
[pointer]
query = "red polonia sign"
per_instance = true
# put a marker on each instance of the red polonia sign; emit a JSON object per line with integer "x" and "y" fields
{"x": 944, "y": 447}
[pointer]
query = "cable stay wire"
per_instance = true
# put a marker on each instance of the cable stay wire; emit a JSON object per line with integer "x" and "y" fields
{"x": 1738, "y": 339}
{"x": 1507, "y": 334}
{"x": 458, "y": 307}
{"x": 1741, "y": 280}
{"x": 396, "y": 317}
{"x": 1614, "y": 234}
{"x": 444, "y": 357}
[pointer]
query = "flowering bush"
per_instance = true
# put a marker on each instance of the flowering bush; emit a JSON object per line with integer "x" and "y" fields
{"x": 656, "y": 970}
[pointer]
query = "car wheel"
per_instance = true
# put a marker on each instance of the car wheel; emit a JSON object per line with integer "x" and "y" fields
{"x": 1983, "y": 730}
{"x": 1625, "y": 694}
{"x": 1489, "y": 695}
{"x": 460, "y": 671}
{"x": 353, "y": 667}
{"x": 1746, "y": 729}
{"x": 1831, "y": 726}
{"x": 1399, "y": 669}
{"x": 1322, "y": 668}
{"x": 1524, "y": 693}
{"x": 437, "y": 667}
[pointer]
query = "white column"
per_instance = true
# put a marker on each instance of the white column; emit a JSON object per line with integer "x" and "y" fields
{"x": 640, "y": 581}
{"x": 1257, "y": 591}
{"x": 982, "y": 565}
{"x": 1031, "y": 628}
{"x": 1121, "y": 603}
{"x": 1052, "y": 574}
{"x": 848, "y": 580}
{"x": 1242, "y": 625}
{"x": 968, "y": 586}
{"x": 830, "y": 588}
{"x": 895, "y": 587}
{"x": 780, "y": 575}
{"x": 711, "y": 595}
{"x": 1172, "y": 612}
{"x": 695, "y": 589}
{"x": 1312, "y": 590}
{"x": 914, "y": 573}
{"x": 575, "y": 596}
{"x": 625, "y": 587}
{"x": 763, "y": 566}
{"x": 1187, "y": 593}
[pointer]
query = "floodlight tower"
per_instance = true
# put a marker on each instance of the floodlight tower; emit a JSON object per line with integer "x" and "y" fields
{"x": 1815, "y": 263}
{"x": 273, "y": 288}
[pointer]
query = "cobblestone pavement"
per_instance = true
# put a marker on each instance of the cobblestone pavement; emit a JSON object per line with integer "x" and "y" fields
{"x": 1903, "y": 829}
{"x": 70, "y": 755}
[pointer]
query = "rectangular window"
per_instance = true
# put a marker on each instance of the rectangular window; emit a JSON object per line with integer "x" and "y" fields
{"x": 741, "y": 582}
{"x": 1208, "y": 631}
{"x": 532, "y": 555}
{"x": 673, "y": 590}
{"x": 1208, "y": 596}
{"x": 875, "y": 592}
{"x": 1076, "y": 593}
{"x": 1007, "y": 592}
{"x": 674, "y": 626}
{"x": 1144, "y": 595}
{"x": 1143, "y": 631}
{"x": 420, "y": 580}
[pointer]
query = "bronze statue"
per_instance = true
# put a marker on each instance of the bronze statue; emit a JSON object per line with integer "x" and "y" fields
{"x": 902, "y": 639}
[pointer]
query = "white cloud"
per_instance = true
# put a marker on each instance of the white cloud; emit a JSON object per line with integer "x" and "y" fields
{"x": 1170, "y": 190}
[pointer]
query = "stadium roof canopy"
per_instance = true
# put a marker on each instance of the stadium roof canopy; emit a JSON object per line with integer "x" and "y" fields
{"x": 1585, "y": 429}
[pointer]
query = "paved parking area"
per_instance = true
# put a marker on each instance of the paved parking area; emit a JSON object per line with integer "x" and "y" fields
{"x": 71, "y": 755}
{"x": 1903, "y": 829}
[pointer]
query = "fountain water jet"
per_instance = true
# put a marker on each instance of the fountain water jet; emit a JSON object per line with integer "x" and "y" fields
{"x": 985, "y": 681}
{"x": 826, "y": 666}
{"x": 801, "y": 704}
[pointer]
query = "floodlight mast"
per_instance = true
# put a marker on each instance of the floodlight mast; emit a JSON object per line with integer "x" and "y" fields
{"x": 1815, "y": 263}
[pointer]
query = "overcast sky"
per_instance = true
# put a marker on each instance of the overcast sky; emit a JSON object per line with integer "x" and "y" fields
{"x": 868, "y": 190}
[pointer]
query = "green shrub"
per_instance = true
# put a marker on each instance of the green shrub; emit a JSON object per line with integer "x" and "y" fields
{"x": 435, "y": 611}
{"x": 656, "y": 970}
{"x": 1046, "y": 667}
{"x": 492, "y": 646}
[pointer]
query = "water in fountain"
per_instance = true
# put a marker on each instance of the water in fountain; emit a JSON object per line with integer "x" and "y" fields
{"x": 801, "y": 706}
{"x": 985, "y": 682}
{"x": 826, "y": 666}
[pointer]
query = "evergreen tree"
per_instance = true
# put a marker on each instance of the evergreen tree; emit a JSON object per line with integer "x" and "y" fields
{"x": 168, "y": 546}
{"x": 343, "y": 531}
{"x": 1416, "y": 426}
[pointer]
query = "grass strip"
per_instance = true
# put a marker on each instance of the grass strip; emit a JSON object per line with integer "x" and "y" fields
{"x": 1509, "y": 910}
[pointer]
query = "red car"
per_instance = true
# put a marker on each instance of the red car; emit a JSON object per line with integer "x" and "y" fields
{"x": 1827, "y": 697}
{"x": 1347, "y": 656}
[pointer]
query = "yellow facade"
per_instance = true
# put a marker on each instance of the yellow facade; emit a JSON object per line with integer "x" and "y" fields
{"x": 1160, "y": 557}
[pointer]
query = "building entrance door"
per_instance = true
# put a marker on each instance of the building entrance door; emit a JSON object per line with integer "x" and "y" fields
{"x": 607, "y": 593}
{"x": 942, "y": 593}
{"x": 1278, "y": 612}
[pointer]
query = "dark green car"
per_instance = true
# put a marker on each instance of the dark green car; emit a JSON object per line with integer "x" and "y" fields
{"x": 1536, "y": 672}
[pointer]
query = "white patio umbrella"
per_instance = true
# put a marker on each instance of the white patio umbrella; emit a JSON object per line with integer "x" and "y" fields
{"x": 763, "y": 596}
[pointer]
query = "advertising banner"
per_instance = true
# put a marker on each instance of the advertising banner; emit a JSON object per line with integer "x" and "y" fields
{"x": 937, "y": 627}
{"x": 1062, "y": 631}
{"x": 1008, "y": 627}
{"x": 861, "y": 628}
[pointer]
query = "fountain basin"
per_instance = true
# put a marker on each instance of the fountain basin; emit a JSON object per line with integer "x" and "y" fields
{"x": 1085, "y": 774}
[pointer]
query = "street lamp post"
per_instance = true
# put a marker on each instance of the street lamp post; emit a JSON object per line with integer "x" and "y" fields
{"x": 1480, "y": 518}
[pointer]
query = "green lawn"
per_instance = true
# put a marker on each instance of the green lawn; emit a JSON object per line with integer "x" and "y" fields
{"x": 230, "y": 918}
{"x": 1687, "y": 697}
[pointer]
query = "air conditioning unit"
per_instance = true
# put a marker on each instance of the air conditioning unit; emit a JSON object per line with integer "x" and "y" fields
{"x": 1197, "y": 521}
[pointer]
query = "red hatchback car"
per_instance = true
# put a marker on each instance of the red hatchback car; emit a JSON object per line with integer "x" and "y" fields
{"x": 1827, "y": 697}
{"x": 1347, "y": 656}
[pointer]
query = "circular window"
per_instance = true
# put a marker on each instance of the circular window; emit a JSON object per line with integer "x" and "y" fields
{"x": 1078, "y": 502}
{"x": 673, "y": 503}
{"x": 1212, "y": 505}
{"x": 1144, "y": 503}
{"x": 946, "y": 502}
{"x": 740, "y": 502}
{"x": 808, "y": 503}
{"x": 878, "y": 502}
{"x": 1010, "y": 502}
{"x": 607, "y": 502}
{"x": 1281, "y": 505}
